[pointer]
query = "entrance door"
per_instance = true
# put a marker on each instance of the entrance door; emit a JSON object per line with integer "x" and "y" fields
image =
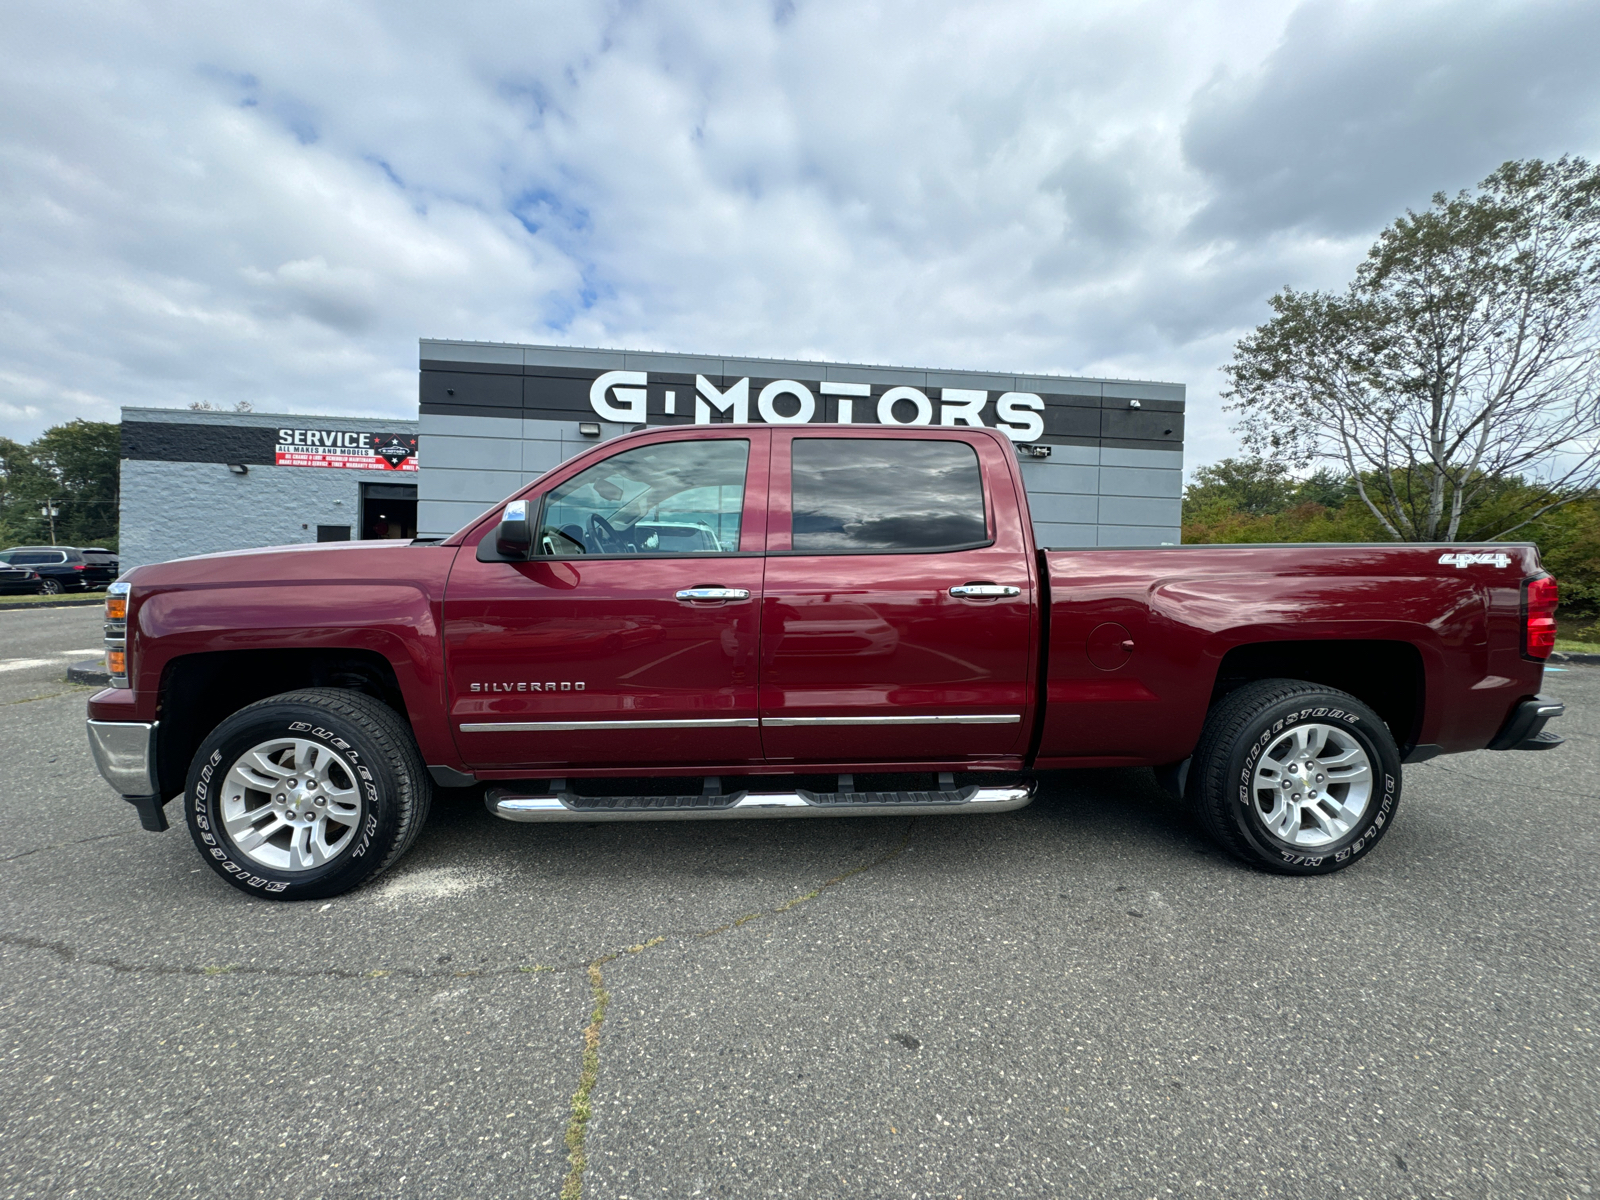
{"x": 899, "y": 608}
{"x": 632, "y": 639}
{"x": 388, "y": 511}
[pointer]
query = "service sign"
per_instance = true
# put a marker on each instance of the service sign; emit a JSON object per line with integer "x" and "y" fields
{"x": 347, "y": 449}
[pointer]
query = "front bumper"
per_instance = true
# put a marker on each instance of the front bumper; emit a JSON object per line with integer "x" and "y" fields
{"x": 125, "y": 755}
{"x": 1524, "y": 729}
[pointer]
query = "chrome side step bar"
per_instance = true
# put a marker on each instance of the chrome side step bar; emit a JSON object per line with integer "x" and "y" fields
{"x": 559, "y": 804}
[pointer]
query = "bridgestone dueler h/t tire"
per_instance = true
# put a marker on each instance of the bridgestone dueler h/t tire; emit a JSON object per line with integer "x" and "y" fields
{"x": 1247, "y": 724}
{"x": 372, "y": 749}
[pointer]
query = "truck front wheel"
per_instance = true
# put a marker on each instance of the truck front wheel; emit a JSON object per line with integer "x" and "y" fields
{"x": 306, "y": 795}
{"x": 1295, "y": 777}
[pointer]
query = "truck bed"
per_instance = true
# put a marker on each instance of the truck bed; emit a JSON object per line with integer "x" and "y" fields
{"x": 1434, "y": 646}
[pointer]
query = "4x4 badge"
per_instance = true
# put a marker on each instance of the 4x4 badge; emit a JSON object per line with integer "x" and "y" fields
{"x": 1464, "y": 559}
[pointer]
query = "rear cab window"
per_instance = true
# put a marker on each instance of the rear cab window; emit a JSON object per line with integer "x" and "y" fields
{"x": 885, "y": 496}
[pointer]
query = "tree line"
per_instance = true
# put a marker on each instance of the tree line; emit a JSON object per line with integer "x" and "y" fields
{"x": 1451, "y": 393}
{"x": 65, "y": 483}
{"x": 1257, "y": 500}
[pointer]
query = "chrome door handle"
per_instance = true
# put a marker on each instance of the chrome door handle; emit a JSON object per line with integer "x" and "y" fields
{"x": 714, "y": 593}
{"x": 984, "y": 591}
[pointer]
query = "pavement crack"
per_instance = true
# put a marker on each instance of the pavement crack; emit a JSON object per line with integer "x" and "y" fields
{"x": 589, "y": 1072}
{"x": 47, "y": 695}
{"x": 1490, "y": 779}
{"x": 99, "y": 837}
{"x": 578, "y": 1125}
{"x": 68, "y": 954}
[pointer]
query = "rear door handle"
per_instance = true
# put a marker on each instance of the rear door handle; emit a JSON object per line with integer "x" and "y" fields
{"x": 713, "y": 593}
{"x": 984, "y": 591}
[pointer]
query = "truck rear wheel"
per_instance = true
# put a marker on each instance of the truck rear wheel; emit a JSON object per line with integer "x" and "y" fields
{"x": 1295, "y": 777}
{"x": 306, "y": 795}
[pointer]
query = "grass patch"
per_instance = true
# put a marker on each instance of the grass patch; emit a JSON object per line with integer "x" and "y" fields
{"x": 1577, "y": 627}
{"x": 1567, "y": 646}
{"x": 578, "y": 1126}
{"x": 69, "y": 598}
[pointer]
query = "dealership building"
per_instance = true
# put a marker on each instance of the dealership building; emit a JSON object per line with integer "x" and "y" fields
{"x": 199, "y": 482}
{"x": 1102, "y": 458}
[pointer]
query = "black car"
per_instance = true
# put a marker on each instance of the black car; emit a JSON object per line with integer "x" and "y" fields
{"x": 20, "y": 579}
{"x": 64, "y": 568}
{"x": 100, "y": 561}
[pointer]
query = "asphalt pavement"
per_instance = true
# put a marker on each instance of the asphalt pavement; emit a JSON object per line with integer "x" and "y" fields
{"x": 1082, "y": 998}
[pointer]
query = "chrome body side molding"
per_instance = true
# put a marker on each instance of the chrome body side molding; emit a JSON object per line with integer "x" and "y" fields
{"x": 570, "y": 726}
{"x": 738, "y": 723}
{"x": 941, "y": 719}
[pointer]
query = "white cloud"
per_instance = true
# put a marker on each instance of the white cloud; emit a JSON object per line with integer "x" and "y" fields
{"x": 272, "y": 203}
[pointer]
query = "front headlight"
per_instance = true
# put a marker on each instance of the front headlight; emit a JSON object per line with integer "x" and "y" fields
{"x": 117, "y": 634}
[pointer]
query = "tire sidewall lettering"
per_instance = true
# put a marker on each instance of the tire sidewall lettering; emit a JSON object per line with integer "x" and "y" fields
{"x": 1252, "y": 746}
{"x": 206, "y": 826}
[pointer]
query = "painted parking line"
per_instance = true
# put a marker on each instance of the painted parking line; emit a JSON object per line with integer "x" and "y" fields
{"x": 23, "y": 664}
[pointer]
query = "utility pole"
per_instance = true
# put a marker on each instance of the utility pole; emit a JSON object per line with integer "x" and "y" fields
{"x": 50, "y": 510}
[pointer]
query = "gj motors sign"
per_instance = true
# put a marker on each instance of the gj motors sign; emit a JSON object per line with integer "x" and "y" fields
{"x": 621, "y": 396}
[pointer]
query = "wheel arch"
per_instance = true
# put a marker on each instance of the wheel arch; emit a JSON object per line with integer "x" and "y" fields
{"x": 1388, "y": 676}
{"x": 200, "y": 691}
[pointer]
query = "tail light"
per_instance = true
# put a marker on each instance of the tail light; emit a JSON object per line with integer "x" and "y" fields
{"x": 117, "y": 634}
{"x": 80, "y": 566}
{"x": 1539, "y": 616}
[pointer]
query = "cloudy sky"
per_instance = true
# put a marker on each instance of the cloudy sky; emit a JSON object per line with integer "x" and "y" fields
{"x": 271, "y": 203}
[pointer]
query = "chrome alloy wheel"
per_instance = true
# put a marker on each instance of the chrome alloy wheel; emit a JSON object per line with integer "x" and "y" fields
{"x": 290, "y": 804}
{"x": 1312, "y": 785}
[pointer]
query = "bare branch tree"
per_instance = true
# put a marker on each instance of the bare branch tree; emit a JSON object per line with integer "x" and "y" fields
{"x": 1466, "y": 352}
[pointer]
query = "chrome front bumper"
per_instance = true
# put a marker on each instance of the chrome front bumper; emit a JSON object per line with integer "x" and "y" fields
{"x": 125, "y": 753}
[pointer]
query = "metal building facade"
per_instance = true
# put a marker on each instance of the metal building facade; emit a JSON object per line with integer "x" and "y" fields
{"x": 493, "y": 416}
{"x": 200, "y": 482}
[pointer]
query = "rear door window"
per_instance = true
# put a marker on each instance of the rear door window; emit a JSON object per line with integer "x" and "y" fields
{"x": 886, "y": 495}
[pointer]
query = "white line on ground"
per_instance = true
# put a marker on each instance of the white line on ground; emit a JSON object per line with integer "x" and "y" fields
{"x": 23, "y": 664}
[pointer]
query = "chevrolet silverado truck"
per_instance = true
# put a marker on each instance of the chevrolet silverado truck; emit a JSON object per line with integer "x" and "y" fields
{"x": 764, "y": 621}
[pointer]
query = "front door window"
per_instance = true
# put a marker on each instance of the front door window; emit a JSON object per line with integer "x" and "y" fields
{"x": 671, "y": 498}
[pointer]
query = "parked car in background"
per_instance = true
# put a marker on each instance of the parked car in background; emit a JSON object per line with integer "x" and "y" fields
{"x": 20, "y": 579}
{"x": 103, "y": 563}
{"x": 64, "y": 568}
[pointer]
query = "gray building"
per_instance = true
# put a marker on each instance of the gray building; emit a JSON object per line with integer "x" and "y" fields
{"x": 199, "y": 482}
{"x": 1103, "y": 458}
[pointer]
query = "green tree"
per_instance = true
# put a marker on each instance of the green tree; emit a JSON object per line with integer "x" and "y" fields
{"x": 1246, "y": 485}
{"x": 73, "y": 468}
{"x": 1465, "y": 353}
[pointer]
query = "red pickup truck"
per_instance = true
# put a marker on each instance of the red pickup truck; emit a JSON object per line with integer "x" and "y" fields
{"x": 759, "y": 620}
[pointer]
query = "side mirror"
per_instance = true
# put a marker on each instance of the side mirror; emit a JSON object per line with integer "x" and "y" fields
{"x": 513, "y": 540}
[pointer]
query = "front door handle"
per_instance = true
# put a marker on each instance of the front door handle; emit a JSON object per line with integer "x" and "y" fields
{"x": 984, "y": 591}
{"x": 713, "y": 593}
